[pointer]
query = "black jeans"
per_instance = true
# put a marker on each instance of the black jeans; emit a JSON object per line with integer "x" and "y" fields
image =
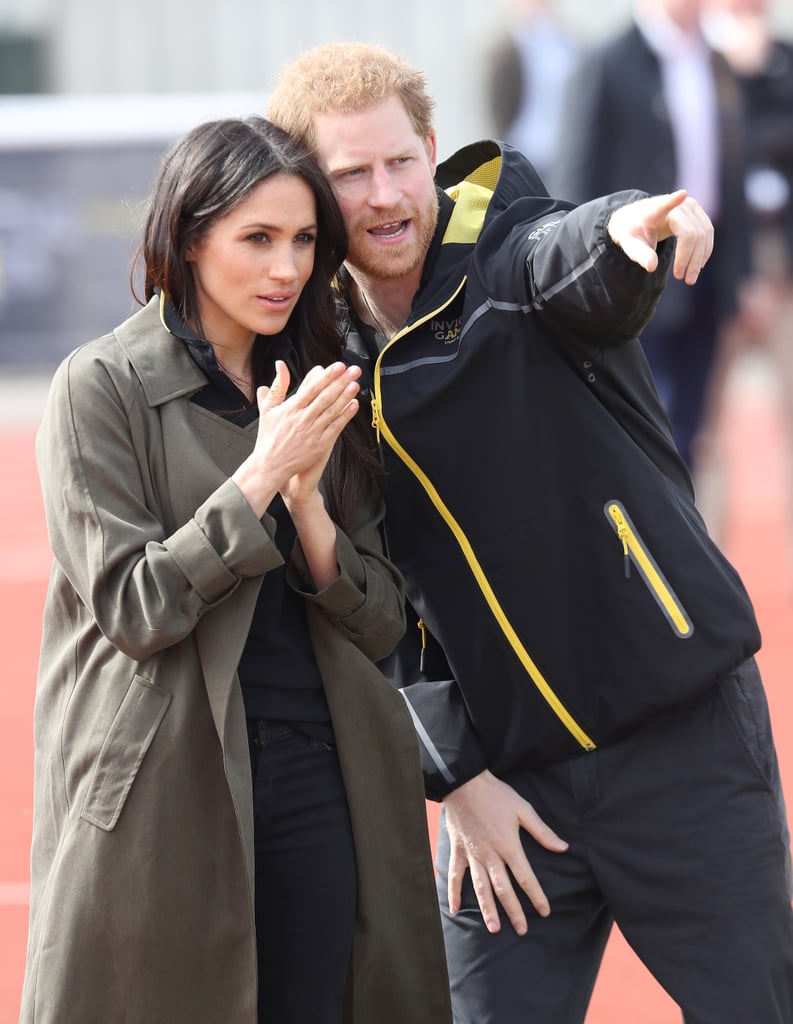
{"x": 306, "y": 877}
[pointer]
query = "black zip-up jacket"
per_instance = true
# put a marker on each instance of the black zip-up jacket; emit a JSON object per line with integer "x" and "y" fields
{"x": 536, "y": 504}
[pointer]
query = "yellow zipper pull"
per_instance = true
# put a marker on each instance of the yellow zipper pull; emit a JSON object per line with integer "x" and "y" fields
{"x": 423, "y": 655}
{"x": 376, "y": 417}
{"x": 623, "y": 533}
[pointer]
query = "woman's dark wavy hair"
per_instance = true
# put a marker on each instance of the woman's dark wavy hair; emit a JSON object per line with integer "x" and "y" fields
{"x": 203, "y": 177}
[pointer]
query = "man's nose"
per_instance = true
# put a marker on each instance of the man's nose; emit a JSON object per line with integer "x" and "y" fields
{"x": 384, "y": 193}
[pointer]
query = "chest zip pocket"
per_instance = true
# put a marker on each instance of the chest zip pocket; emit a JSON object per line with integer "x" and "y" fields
{"x": 635, "y": 553}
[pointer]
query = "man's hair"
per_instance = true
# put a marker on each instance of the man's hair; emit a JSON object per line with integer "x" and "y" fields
{"x": 347, "y": 77}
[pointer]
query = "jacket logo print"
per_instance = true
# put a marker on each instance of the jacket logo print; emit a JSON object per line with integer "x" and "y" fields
{"x": 543, "y": 230}
{"x": 446, "y": 331}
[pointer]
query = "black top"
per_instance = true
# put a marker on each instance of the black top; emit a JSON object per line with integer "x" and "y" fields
{"x": 278, "y": 672}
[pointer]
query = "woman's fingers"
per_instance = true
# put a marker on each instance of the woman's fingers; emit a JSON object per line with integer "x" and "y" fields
{"x": 324, "y": 392}
{"x": 320, "y": 378}
{"x": 297, "y": 432}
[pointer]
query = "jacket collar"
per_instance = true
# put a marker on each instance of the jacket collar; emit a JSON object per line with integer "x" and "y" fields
{"x": 160, "y": 359}
{"x": 490, "y": 173}
{"x": 481, "y": 180}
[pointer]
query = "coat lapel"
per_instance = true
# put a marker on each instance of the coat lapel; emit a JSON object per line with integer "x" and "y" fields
{"x": 201, "y": 450}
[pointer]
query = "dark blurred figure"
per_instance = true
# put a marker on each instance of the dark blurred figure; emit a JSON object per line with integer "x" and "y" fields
{"x": 526, "y": 73}
{"x": 741, "y": 30}
{"x": 656, "y": 108}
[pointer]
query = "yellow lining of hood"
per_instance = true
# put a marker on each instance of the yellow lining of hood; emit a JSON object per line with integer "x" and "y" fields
{"x": 470, "y": 206}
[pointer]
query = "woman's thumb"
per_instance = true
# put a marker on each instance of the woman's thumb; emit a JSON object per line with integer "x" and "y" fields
{"x": 276, "y": 393}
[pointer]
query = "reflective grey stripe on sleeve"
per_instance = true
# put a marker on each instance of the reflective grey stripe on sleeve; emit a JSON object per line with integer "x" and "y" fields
{"x": 429, "y": 746}
{"x": 538, "y": 301}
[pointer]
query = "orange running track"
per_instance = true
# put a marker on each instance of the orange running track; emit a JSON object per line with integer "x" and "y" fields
{"x": 756, "y": 537}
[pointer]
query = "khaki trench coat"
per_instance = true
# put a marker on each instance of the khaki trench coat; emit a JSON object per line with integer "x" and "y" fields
{"x": 142, "y": 855}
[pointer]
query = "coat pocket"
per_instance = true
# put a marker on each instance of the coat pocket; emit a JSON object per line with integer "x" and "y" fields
{"x": 635, "y": 552}
{"x": 130, "y": 736}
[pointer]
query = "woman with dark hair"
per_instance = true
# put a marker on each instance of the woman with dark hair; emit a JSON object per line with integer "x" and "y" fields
{"x": 228, "y": 796}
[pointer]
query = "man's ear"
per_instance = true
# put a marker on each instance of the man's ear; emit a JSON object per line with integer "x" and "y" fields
{"x": 431, "y": 145}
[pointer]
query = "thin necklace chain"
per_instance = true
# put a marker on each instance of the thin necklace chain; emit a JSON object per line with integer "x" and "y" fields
{"x": 230, "y": 373}
{"x": 247, "y": 382}
{"x": 243, "y": 384}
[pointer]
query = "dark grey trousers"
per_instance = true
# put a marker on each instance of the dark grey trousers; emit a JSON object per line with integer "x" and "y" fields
{"x": 678, "y": 833}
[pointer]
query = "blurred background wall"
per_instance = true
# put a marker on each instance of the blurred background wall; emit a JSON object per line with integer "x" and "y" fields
{"x": 91, "y": 93}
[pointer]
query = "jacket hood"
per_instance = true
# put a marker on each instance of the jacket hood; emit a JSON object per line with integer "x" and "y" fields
{"x": 482, "y": 180}
{"x": 496, "y": 168}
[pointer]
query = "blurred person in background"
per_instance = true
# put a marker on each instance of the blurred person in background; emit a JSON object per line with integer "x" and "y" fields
{"x": 763, "y": 64}
{"x": 227, "y": 791}
{"x": 526, "y": 71}
{"x": 654, "y": 107}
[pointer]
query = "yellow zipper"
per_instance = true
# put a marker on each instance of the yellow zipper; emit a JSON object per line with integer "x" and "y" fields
{"x": 635, "y": 551}
{"x": 423, "y": 654}
{"x": 375, "y": 406}
{"x": 498, "y": 612}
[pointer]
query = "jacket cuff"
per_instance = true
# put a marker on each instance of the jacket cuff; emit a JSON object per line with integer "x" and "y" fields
{"x": 451, "y": 752}
{"x": 340, "y": 599}
{"x": 223, "y": 543}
